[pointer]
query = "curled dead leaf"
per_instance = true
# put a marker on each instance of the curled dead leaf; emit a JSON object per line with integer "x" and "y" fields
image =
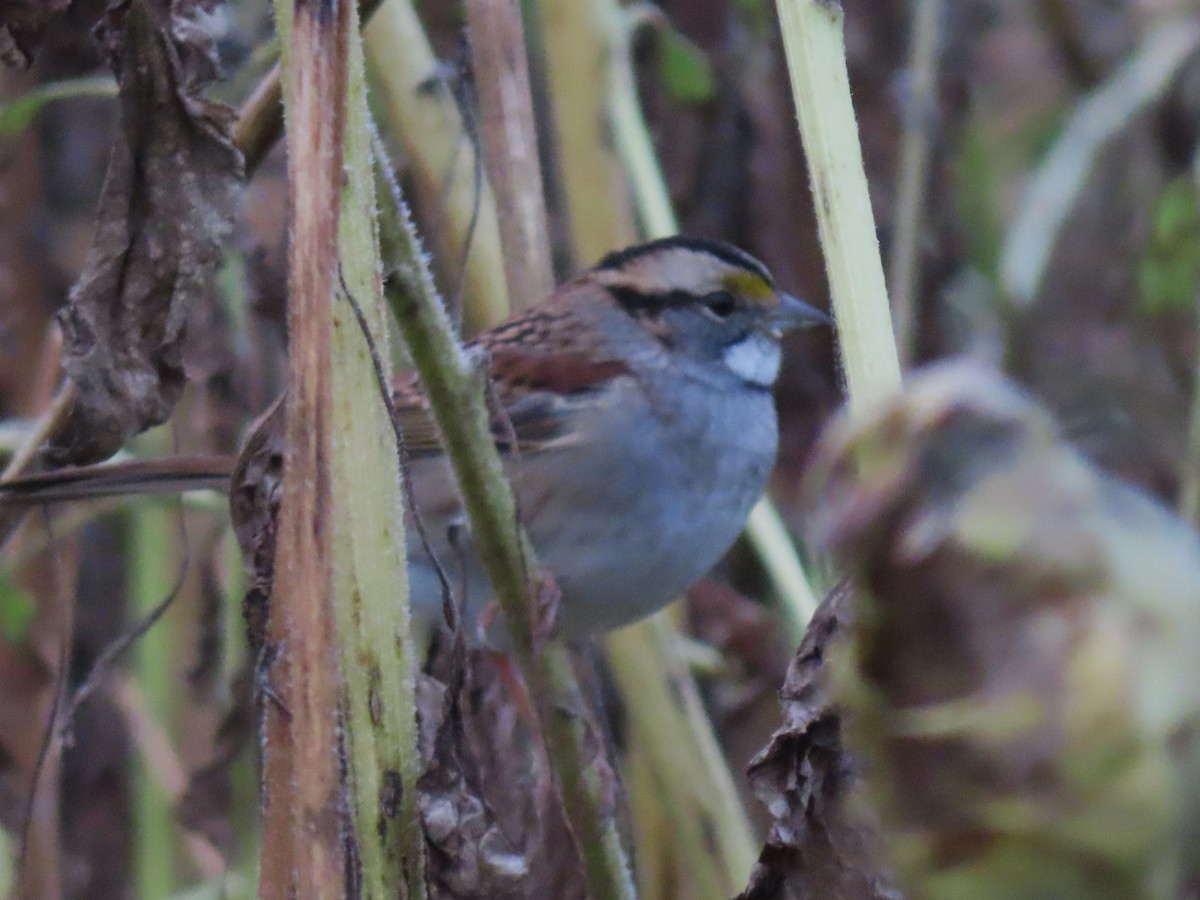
{"x": 166, "y": 208}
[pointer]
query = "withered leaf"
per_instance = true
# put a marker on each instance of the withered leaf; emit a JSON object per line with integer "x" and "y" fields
{"x": 804, "y": 776}
{"x": 22, "y": 23}
{"x": 166, "y": 206}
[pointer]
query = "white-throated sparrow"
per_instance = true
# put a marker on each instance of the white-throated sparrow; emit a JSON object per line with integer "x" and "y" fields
{"x": 639, "y": 395}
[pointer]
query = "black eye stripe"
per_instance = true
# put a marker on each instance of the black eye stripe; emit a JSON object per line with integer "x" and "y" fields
{"x": 721, "y": 303}
{"x": 639, "y": 303}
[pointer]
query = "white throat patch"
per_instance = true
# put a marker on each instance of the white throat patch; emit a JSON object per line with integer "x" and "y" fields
{"x": 754, "y": 359}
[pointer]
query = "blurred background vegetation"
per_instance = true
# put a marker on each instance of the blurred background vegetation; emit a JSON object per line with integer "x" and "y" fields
{"x": 1058, "y": 238}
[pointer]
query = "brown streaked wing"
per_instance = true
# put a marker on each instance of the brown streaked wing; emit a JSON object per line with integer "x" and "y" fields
{"x": 539, "y": 392}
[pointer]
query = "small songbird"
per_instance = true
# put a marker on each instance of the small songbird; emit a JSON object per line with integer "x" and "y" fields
{"x": 639, "y": 398}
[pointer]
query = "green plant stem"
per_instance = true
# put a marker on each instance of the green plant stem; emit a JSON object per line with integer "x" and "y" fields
{"x": 705, "y": 810}
{"x": 631, "y": 136}
{"x": 813, "y": 43}
{"x": 921, "y": 100}
{"x": 19, "y": 113}
{"x": 152, "y": 558}
{"x": 1189, "y": 491}
{"x": 370, "y": 598}
{"x": 776, "y": 551}
{"x": 454, "y": 386}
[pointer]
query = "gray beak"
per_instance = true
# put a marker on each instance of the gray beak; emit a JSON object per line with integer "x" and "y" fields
{"x": 794, "y": 313}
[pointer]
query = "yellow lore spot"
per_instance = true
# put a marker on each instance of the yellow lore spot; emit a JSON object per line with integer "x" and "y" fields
{"x": 751, "y": 287}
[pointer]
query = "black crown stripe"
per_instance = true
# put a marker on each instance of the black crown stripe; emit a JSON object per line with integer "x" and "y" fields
{"x": 725, "y": 252}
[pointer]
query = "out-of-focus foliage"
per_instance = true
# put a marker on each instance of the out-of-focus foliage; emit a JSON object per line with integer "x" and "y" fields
{"x": 1169, "y": 272}
{"x": 686, "y": 72}
{"x": 17, "y": 610}
{"x": 20, "y": 113}
{"x": 1021, "y": 678}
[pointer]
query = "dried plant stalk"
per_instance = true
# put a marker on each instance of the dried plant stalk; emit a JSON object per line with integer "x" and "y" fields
{"x": 816, "y": 56}
{"x": 510, "y": 147}
{"x": 302, "y": 846}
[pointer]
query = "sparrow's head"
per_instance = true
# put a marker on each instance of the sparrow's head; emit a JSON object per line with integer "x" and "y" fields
{"x": 707, "y": 300}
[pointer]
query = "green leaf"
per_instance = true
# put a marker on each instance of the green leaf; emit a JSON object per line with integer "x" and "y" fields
{"x": 17, "y": 610}
{"x": 19, "y": 114}
{"x": 977, "y": 179}
{"x": 685, "y": 70}
{"x": 756, "y": 15}
{"x": 1168, "y": 274}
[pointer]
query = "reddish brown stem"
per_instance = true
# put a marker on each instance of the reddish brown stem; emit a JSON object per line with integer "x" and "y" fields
{"x": 302, "y": 851}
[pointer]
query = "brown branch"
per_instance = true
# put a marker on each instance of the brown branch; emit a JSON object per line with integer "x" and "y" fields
{"x": 501, "y": 72}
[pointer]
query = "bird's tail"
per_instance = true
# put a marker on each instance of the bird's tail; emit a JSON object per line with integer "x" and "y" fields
{"x": 169, "y": 475}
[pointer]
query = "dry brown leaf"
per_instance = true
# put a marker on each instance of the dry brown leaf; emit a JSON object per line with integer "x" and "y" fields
{"x": 804, "y": 777}
{"x": 165, "y": 209}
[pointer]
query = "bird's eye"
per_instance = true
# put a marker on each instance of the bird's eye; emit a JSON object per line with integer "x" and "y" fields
{"x": 721, "y": 304}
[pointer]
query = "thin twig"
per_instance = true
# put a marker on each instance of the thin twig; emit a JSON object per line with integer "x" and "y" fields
{"x": 510, "y": 146}
{"x": 1189, "y": 491}
{"x": 424, "y": 116}
{"x": 918, "y": 118}
{"x": 48, "y": 424}
{"x": 112, "y": 653}
{"x": 50, "y": 748}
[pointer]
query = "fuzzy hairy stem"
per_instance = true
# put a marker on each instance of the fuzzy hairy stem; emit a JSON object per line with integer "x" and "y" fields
{"x": 454, "y": 385}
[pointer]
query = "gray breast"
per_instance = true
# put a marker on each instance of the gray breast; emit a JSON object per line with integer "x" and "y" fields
{"x": 663, "y": 492}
